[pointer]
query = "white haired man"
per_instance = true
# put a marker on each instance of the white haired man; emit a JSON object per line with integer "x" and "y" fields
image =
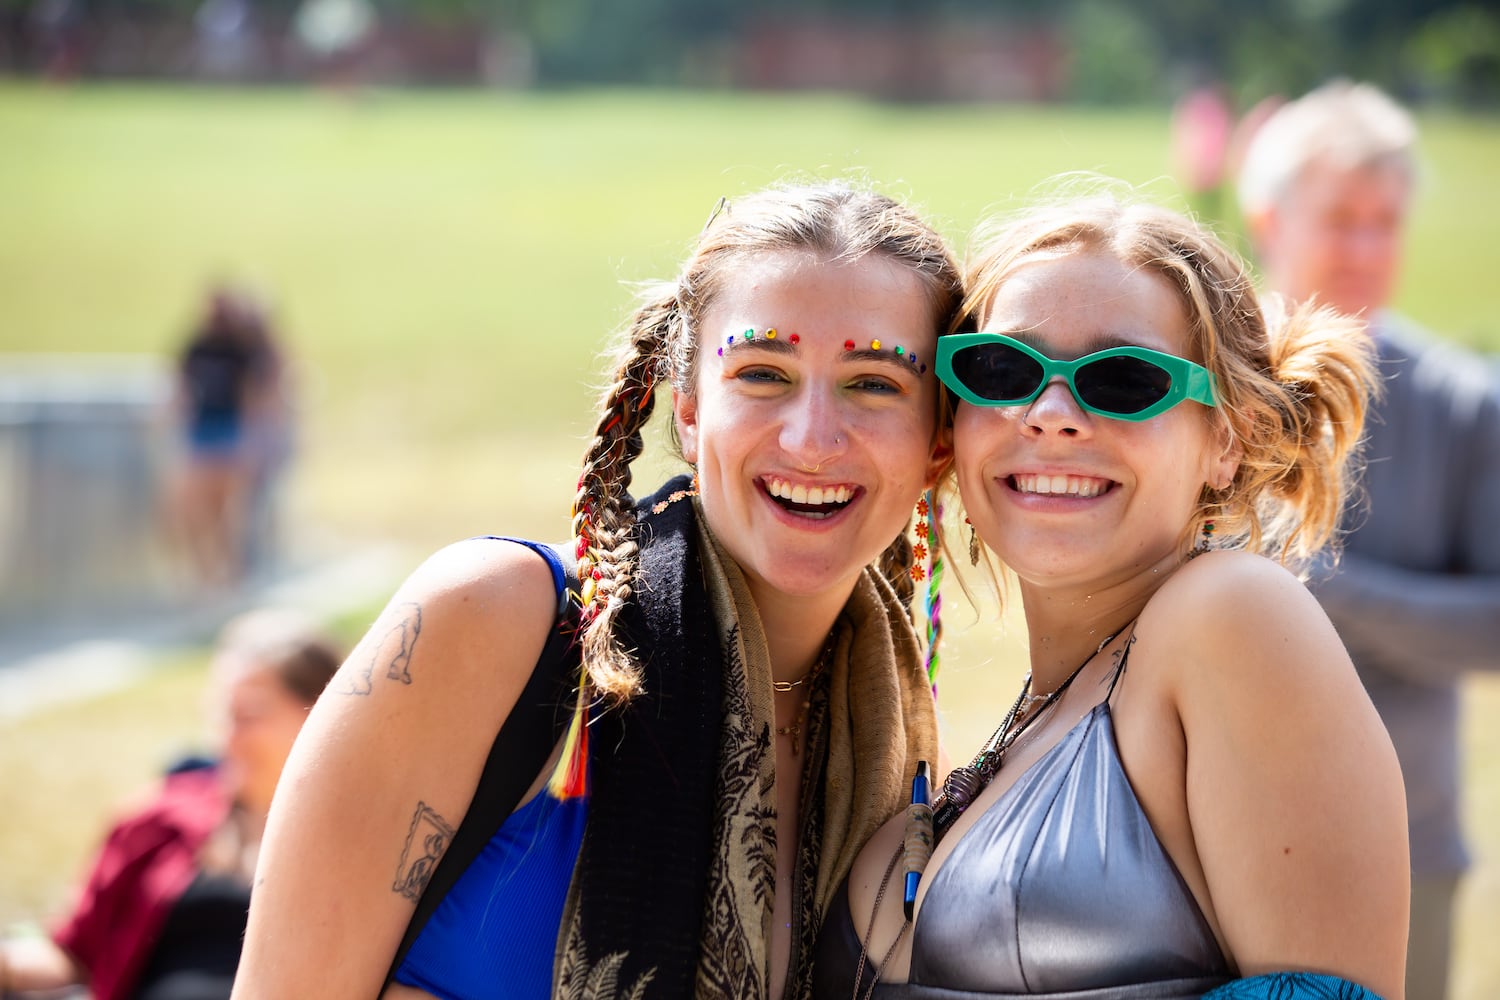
{"x": 1325, "y": 188}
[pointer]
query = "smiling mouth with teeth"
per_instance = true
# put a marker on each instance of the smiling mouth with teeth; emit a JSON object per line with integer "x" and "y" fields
{"x": 814, "y": 502}
{"x": 1074, "y": 486}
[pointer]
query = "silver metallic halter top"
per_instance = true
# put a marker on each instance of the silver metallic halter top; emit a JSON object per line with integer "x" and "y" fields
{"x": 1060, "y": 889}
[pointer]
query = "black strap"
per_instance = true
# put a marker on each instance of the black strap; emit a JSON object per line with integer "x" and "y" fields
{"x": 521, "y": 749}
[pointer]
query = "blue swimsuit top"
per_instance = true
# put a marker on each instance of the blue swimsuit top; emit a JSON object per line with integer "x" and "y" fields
{"x": 495, "y": 932}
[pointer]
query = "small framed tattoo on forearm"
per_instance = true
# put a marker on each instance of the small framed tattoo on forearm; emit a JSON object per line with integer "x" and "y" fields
{"x": 426, "y": 841}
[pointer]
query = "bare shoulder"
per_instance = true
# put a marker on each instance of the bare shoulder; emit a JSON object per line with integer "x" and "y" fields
{"x": 466, "y": 607}
{"x": 1292, "y": 790}
{"x": 1244, "y": 650}
{"x": 1234, "y": 584}
{"x": 1235, "y": 620}
{"x": 478, "y": 573}
{"x": 386, "y": 765}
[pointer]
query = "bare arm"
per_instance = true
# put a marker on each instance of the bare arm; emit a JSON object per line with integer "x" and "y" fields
{"x": 1293, "y": 791}
{"x": 384, "y": 770}
{"x": 1432, "y": 627}
{"x": 1439, "y": 625}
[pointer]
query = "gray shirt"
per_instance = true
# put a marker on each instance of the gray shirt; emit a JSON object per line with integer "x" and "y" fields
{"x": 1416, "y": 596}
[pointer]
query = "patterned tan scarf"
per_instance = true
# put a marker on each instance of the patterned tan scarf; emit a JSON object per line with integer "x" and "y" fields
{"x": 674, "y": 888}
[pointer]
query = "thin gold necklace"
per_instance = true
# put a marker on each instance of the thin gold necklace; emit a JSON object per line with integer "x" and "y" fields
{"x": 794, "y": 729}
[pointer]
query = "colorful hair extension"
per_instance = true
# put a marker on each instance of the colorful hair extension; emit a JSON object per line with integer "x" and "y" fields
{"x": 934, "y": 595}
{"x": 928, "y": 565}
{"x": 569, "y": 778}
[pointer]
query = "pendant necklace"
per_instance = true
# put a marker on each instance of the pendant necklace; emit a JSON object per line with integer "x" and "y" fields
{"x": 965, "y": 782}
{"x": 962, "y": 787}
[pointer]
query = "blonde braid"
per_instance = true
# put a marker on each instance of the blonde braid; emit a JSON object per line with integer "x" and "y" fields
{"x": 603, "y": 514}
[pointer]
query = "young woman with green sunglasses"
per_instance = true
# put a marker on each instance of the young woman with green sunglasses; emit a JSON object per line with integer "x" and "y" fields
{"x": 1226, "y": 816}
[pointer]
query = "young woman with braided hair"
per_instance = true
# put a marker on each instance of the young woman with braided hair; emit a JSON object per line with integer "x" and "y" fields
{"x": 750, "y": 699}
{"x": 1192, "y": 794}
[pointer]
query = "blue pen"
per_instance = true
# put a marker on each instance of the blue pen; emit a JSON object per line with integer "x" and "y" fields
{"x": 918, "y": 836}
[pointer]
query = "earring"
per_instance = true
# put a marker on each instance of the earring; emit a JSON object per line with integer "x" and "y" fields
{"x": 919, "y": 550}
{"x": 973, "y": 543}
{"x": 927, "y": 550}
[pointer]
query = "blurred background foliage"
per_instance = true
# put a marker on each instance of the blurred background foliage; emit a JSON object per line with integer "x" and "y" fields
{"x": 1100, "y": 51}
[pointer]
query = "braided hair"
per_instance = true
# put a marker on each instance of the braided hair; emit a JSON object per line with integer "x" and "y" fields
{"x": 837, "y": 223}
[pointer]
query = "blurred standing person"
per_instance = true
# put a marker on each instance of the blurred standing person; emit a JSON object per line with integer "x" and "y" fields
{"x": 336, "y": 35}
{"x": 226, "y": 46}
{"x": 1202, "y": 124}
{"x": 163, "y": 912}
{"x": 227, "y": 400}
{"x": 59, "y": 27}
{"x": 270, "y": 437}
{"x": 1325, "y": 189}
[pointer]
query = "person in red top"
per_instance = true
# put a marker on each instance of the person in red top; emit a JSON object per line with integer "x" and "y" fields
{"x": 162, "y": 911}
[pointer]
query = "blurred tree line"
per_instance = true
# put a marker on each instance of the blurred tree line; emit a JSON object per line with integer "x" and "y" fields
{"x": 1103, "y": 51}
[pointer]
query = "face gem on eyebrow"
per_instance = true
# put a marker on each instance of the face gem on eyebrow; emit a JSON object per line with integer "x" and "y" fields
{"x": 904, "y": 361}
{"x": 775, "y": 346}
{"x": 770, "y": 340}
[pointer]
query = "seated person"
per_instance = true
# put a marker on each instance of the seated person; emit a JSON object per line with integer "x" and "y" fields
{"x": 163, "y": 911}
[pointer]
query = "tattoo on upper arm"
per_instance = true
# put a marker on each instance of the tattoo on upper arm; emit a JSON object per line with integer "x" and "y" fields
{"x": 394, "y": 649}
{"x": 426, "y": 842}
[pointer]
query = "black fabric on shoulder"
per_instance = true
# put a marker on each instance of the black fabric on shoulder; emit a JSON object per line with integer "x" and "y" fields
{"x": 521, "y": 749}
{"x": 655, "y": 772}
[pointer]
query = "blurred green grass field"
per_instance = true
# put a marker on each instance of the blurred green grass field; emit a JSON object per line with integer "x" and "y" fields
{"x": 445, "y": 268}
